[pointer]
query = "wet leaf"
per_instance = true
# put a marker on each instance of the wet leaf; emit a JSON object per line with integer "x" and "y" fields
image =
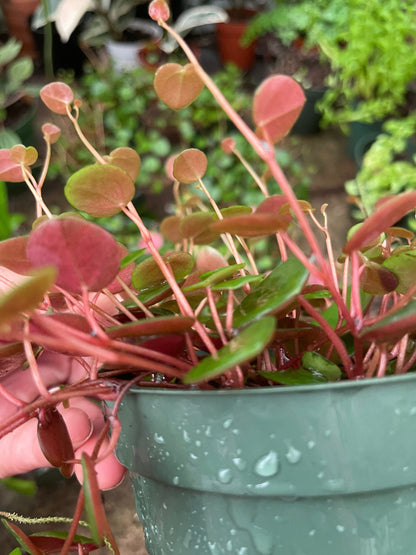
{"x": 379, "y": 221}
{"x": 278, "y": 101}
{"x": 274, "y": 293}
{"x": 301, "y": 376}
{"x": 100, "y": 190}
{"x": 190, "y": 165}
{"x": 244, "y": 347}
{"x": 83, "y": 253}
{"x": 57, "y": 96}
{"x": 317, "y": 364}
{"x": 127, "y": 159}
{"x": 148, "y": 273}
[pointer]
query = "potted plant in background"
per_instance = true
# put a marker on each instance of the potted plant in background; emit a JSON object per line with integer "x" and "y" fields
{"x": 196, "y": 344}
{"x": 373, "y": 63}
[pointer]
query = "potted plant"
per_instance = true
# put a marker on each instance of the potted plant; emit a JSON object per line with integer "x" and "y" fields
{"x": 17, "y": 110}
{"x": 193, "y": 348}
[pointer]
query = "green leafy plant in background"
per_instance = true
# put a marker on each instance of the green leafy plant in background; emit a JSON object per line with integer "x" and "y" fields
{"x": 373, "y": 59}
{"x": 14, "y": 73}
{"x": 388, "y": 166}
{"x": 202, "y": 315}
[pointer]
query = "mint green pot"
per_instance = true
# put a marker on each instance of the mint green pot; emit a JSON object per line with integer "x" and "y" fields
{"x": 307, "y": 470}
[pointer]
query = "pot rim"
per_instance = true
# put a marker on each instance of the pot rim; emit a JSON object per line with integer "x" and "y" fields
{"x": 395, "y": 379}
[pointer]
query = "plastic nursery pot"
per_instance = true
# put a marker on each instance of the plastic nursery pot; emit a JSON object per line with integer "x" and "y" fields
{"x": 361, "y": 137}
{"x": 125, "y": 55}
{"x": 306, "y": 470}
{"x": 229, "y": 35}
{"x": 308, "y": 122}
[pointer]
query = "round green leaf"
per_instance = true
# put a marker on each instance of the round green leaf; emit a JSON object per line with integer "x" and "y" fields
{"x": 403, "y": 266}
{"x": 100, "y": 190}
{"x": 245, "y": 346}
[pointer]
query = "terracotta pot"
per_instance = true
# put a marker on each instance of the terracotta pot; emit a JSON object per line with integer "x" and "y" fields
{"x": 229, "y": 37}
{"x": 16, "y": 15}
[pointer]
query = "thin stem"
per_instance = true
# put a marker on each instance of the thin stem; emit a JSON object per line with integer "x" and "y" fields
{"x": 83, "y": 138}
{"x": 261, "y": 185}
{"x": 75, "y": 522}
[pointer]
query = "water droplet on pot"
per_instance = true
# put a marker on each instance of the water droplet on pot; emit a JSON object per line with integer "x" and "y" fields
{"x": 311, "y": 444}
{"x": 212, "y": 546}
{"x": 186, "y": 437}
{"x": 227, "y": 423}
{"x": 242, "y": 551}
{"x": 267, "y": 465}
{"x": 187, "y": 538}
{"x": 340, "y": 528}
{"x": 175, "y": 480}
{"x": 229, "y": 545}
{"x": 225, "y": 475}
{"x": 336, "y": 484}
{"x": 208, "y": 431}
{"x": 158, "y": 438}
{"x": 293, "y": 455}
{"x": 312, "y": 532}
{"x": 239, "y": 463}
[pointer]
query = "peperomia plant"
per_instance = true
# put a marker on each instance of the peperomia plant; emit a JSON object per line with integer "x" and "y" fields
{"x": 199, "y": 314}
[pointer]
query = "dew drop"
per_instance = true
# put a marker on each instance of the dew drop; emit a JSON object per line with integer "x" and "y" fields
{"x": 225, "y": 475}
{"x": 158, "y": 438}
{"x": 239, "y": 463}
{"x": 293, "y": 455}
{"x": 340, "y": 528}
{"x": 268, "y": 465}
{"x": 227, "y": 423}
{"x": 175, "y": 480}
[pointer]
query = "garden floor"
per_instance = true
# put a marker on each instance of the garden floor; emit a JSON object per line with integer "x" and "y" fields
{"x": 324, "y": 156}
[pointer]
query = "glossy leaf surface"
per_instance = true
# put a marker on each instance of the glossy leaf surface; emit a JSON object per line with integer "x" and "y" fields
{"x": 278, "y": 289}
{"x": 100, "y": 190}
{"x": 245, "y": 346}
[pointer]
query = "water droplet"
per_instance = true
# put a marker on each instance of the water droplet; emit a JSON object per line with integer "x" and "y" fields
{"x": 187, "y": 538}
{"x": 227, "y": 423}
{"x": 213, "y": 548}
{"x": 405, "y": 468}
{"x": 321, "y": 475}
{"x": 165, "y": 506}
{"x": 225, "y": 475}
{"x": 311, "y": 444}
{"x": 336, "y": 484}
{"x": 198, "y": 443}
{"x": 327, "y": 433}
{"x": 186, "y": 437}
{"x": 208, "y": 431}
{"x": 158, "y": 438}
{"x": 242, "y": 551}
{"x": 239, "y": 463}
{"x": 175, "y": 480}
{"x": 293, "y": 455}
{"x": 229, "y": 545}
{"x": 397, "y": 411}
{"x": 312, "y": 532}
{"x": 340, "y": 528}
{"x": 268, "y": 465}
{"x": 412, "y": 411}
{"x": 193, "y": 457}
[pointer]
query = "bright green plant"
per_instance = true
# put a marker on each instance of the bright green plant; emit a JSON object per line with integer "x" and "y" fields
{"x": 388, "y": 167}
{"x": 14, "y": 72}
{"x": 373, "y": 59}
{"x": 191, "y": 317}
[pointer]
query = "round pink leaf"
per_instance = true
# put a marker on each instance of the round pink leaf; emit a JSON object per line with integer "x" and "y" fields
{"x": 190, "y": 165}
{"x": 83, "y": 253}
{"x": 277, "y": 104}
{"x": 57, "y": 96}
